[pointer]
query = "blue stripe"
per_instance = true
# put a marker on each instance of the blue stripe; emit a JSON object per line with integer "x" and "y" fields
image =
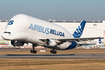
{"x": 72, "y": 45}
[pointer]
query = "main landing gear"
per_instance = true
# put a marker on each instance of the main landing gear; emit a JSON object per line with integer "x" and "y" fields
{"x": 33, "y": 51}
{"x": 53, "y": 51}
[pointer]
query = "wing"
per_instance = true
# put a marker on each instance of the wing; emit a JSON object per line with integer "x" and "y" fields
{"x": 72, "y": 39}
{"x": 78, "y": 39}
{"x": 80, "y": 44}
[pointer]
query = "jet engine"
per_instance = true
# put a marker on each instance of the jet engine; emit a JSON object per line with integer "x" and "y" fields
{"x": 50, "y": 42}
{"x": 17, "y": 43}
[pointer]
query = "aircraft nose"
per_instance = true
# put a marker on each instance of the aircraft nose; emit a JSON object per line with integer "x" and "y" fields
{"x": 4, "y": 36}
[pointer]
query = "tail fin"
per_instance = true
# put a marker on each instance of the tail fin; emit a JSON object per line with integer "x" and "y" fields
{"x": 79, "y": 30}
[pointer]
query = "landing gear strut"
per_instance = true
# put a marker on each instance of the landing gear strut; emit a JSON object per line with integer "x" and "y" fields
{"x": 33, "y": 51}
{"x": 53, "y": 51}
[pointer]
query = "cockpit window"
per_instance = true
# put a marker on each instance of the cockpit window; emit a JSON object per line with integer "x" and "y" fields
{"x": 8, "y": 32}
{"x": 10, "y": 22}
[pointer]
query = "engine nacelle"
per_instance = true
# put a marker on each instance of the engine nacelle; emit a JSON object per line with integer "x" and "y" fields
{"x": 50, "y": 42}
{"x": 17, "y": 43}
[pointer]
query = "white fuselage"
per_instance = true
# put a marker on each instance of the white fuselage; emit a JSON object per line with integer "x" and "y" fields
{"x": 30, "y": 29}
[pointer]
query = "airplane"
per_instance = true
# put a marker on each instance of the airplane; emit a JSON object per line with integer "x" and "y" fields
{"x": 26, "y": 29}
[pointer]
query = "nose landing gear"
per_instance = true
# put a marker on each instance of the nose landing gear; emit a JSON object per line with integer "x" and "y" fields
{"x": 33, "y": 51}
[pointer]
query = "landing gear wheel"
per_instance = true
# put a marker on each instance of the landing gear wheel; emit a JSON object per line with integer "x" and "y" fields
{"x": 55, "y": 52}
{"x": 52, "y": 51}
{"x": 33, "y": 51}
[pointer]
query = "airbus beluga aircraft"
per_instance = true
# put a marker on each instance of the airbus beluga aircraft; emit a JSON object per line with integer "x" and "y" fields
{"x": 26, "y": 29}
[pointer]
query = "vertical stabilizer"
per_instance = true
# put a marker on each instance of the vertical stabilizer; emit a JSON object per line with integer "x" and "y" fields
{"x": 79, "y": 30}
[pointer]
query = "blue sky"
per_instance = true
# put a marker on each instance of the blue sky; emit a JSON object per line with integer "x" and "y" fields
{"x": 54, "y": 9}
